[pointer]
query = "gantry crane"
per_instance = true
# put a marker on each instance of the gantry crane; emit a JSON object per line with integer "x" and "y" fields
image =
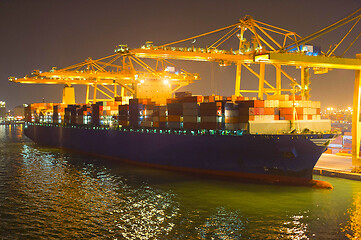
{"x": 105, "y": 76}
{"x": 277, "y": 47}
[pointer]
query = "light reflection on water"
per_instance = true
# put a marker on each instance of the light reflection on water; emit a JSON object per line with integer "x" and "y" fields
{"x": 49, "y": 193}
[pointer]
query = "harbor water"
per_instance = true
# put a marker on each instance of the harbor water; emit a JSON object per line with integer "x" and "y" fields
{"x": 47, "y": 193}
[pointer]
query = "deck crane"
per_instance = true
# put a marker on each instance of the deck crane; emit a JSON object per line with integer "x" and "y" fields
{"x": 277, "y": 47}
{"x": 105, "y": 76}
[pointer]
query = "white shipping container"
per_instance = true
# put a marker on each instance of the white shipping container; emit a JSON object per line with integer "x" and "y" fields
{"x": 267, "y": 103}
{"x": 269, "y": 117}
{"x": 259, "y": 117}
{"x": 269, "y": 127}
{"x": 313, "y": 104}
{"x": 276, "y": 103}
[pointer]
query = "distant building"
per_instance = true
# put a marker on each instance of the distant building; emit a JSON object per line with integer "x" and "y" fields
{"x": 19, "y": 111}
{"x": 2, "y": 110}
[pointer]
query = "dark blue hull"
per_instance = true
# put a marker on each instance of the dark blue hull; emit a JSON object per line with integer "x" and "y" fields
{"x": 261, "y": 157}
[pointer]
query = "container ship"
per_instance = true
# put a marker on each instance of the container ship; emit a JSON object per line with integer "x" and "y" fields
{"x": 278, "y": 140}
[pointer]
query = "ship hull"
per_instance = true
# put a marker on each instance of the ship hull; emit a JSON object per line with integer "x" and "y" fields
{"x": 268, "y": 158}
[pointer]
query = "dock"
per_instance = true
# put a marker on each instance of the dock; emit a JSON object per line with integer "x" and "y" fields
{"x": 332, "y": 165}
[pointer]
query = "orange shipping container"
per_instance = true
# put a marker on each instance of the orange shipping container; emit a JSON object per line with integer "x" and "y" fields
{"x": 258, "y": 103}
{"x": 162, "y": 119}
{"x": 174, "y": 118}
{"x": 231, "y": 120}
{"x": 269, "y": 111}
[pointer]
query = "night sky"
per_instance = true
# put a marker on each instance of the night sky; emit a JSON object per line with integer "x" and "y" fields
{"x": 41, "y": 34}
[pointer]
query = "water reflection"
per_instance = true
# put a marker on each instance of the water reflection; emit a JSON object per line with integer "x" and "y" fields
{"x": 89, "y": 200}
{"x": 223, "y": 224}
{"x": 353, "y": 227}
{"x": 49, "y": 193}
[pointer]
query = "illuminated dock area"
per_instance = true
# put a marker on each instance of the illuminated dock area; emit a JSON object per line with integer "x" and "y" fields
{"x": 332, "y": 165}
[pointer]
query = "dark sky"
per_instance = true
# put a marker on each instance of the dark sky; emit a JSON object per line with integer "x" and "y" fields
{"x": 41, "y": 34}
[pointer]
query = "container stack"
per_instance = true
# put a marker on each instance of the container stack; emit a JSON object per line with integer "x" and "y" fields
{"x": 163, "y": 119}
{"x": 96, "y": 111}
{"x": 123, "y": 117}
{"x": 174, "y": 115}
{"x": 160, "y": 117}
{"x": 110, "y": 108}
{"x": 211, "y": 115}
{"x": 190, "y": 115}
{"x": 231, "y": 116}
{"x": 80, "y": 114}
{"x": 147, "y": 120}
{"x": 136, "y": 111}
{"x": 263, "y": 110}
{"x": 189, "y": 112}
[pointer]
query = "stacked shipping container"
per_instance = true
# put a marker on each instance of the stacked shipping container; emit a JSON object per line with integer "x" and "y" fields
{"x": 187, "y": 112}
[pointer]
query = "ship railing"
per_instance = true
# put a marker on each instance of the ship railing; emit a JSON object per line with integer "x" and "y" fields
{"x": 194, "y": 132}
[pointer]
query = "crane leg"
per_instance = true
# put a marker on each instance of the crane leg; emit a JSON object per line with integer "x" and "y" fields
{"x": 278, "y": 80}
{"x": 356, "y": 128}
{"x": 262, "y": 68}
{"x": 238, "y": 80}
{"x": 68, "y": 95}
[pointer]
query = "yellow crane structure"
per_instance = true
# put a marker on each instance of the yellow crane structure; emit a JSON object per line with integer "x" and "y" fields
{"x": 277, "y": 47}
{"x": 266, "y": 45}
{"x": 105, "y": 76}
